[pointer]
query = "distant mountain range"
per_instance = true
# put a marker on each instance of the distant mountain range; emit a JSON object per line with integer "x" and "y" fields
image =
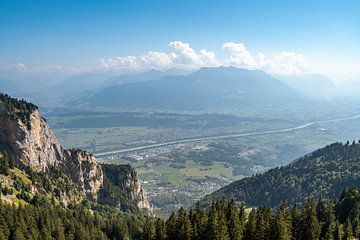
{"x": 323, "y": 173}
{"x": 220, "y": 88}
{"x": 207, "y": 88}
{"x": 8, "y": 86}
{"x": 313, "y": 86}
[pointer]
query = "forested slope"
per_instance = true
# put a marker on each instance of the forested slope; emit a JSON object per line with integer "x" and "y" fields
{"x": 323, "y": 173}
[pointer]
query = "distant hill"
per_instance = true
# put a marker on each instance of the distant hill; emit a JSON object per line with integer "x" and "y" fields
{"x": 145, "y": 76}
{"x": 350, "y": 89}
{"x": 8, "y": 86}
{"x": 81, "y": 83}
{"x": 315, "y": 86}
{"x": 323, "y": 173}
{"x": 207, "y": 88}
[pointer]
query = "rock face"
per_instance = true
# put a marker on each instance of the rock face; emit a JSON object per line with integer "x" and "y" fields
{"x": 32, "y": 143}
{"x": 124, "y": 178}
{"x": 135, "y": 191}
{"x": 35, "y": 145}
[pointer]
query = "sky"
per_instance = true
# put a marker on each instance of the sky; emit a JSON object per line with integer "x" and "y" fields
{"x": 287, "y": 37}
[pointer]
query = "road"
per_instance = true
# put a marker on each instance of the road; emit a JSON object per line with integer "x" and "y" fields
{"x": 200, "y": 139}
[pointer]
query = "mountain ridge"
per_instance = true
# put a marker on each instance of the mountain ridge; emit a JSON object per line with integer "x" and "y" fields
{"x": 207, "y": 88}
{"x": 322, "y": 173}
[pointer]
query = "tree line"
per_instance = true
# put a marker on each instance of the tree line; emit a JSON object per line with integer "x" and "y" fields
{"x": 226, "y": 220}
{"x": 45, "y": 221}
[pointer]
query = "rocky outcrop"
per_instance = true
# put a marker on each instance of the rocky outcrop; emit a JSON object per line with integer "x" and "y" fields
{"x": 124, "y": 178}
{"x": 26, "y": 137}
{"x": 133, "y": 188}
{"x": 32, "y": 143}
{"x": 35, "y": 145}
{"x": 85, "y": 171}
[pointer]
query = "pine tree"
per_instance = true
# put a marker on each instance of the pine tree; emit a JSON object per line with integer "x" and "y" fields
{"x": 296, "y": 222}
{"x": 339, "y": 231}
{"x": 199, "y": 221}
{"x": 242, "y": 215}
{"x": 326, "y": 217}
{"x": 348, "y": 233}
{"x": 310, "y": 223}
{"x": 233, "y": 222}
{"x": 212, "y": 226}
{"x": 4, "y": 228}
{"x": 59, "y": 230}
{"x": 170, "y": 225}
{"x": 250, "y": 226}
{"x": 281, "y": 227}
{"x": 183, "y": 226}
{"x": 222, "y": 231}
{"x": 263, "y": 219}
{"x": 149, "y": 230}
{"x": 356, "y": 227}
{"x": 18, "y": 235}
{"x": 160, "y": 229}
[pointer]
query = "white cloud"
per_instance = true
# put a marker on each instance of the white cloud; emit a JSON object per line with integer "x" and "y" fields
{"x": 289, "y": 63}
{"x": 183, "y": 56}
{"x": 16, "y": 67}
{"x": 239, "y": 55}
{"x": 283, "y": 63}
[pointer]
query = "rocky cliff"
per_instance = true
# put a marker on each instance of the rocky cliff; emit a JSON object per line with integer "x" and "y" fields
{"x": 26, "y": 137}
{"x": 124, "y": 179}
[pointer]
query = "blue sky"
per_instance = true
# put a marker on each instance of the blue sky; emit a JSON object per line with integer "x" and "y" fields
{"x": 79, "y": 33}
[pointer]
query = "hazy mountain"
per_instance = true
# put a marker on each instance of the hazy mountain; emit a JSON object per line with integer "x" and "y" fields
{"x": 315, "y": 86}
{"x": 323, "y": 173}
{"x": 93, "y": 81}
{"x": 8, "y": 86}
{"x": 207, "y": 88}
{"x": 146, "y": 76}
{"x": 350, "y": 89}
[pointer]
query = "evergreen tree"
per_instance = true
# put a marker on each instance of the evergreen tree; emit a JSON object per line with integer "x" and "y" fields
{"x": 356, "y": 227}
{"x": 348, "y": 233}
{"x": 222, "y": 231}
{"x": 160, "y": 229}
{"x": 339, "y": 231}
{"x": 296, "y": 227}
{"x": 199, "y": 221}
{"x": 18, "y": 235}
{"x": 184, "y": 231}
{"x": 242, "y": 215}
{"x": 250, "y": 226}
{"x": 212, "y": 227}
{"x": 4, "y": 228}
{"x": 149, "y": 230}
{"x": 233, "y": 222}
{"x": 281, "y": 227}
{"x": 170, "y": 225}
{"x": 326, "y": 217}
{"x": 310, "y": 223}
{"x": 263, "y": 221}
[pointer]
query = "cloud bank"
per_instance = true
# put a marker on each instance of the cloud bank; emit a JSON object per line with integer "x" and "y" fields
{"x": 184, "y": 57}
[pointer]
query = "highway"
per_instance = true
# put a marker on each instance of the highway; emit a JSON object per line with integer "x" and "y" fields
{"x": 236, "y": 135}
